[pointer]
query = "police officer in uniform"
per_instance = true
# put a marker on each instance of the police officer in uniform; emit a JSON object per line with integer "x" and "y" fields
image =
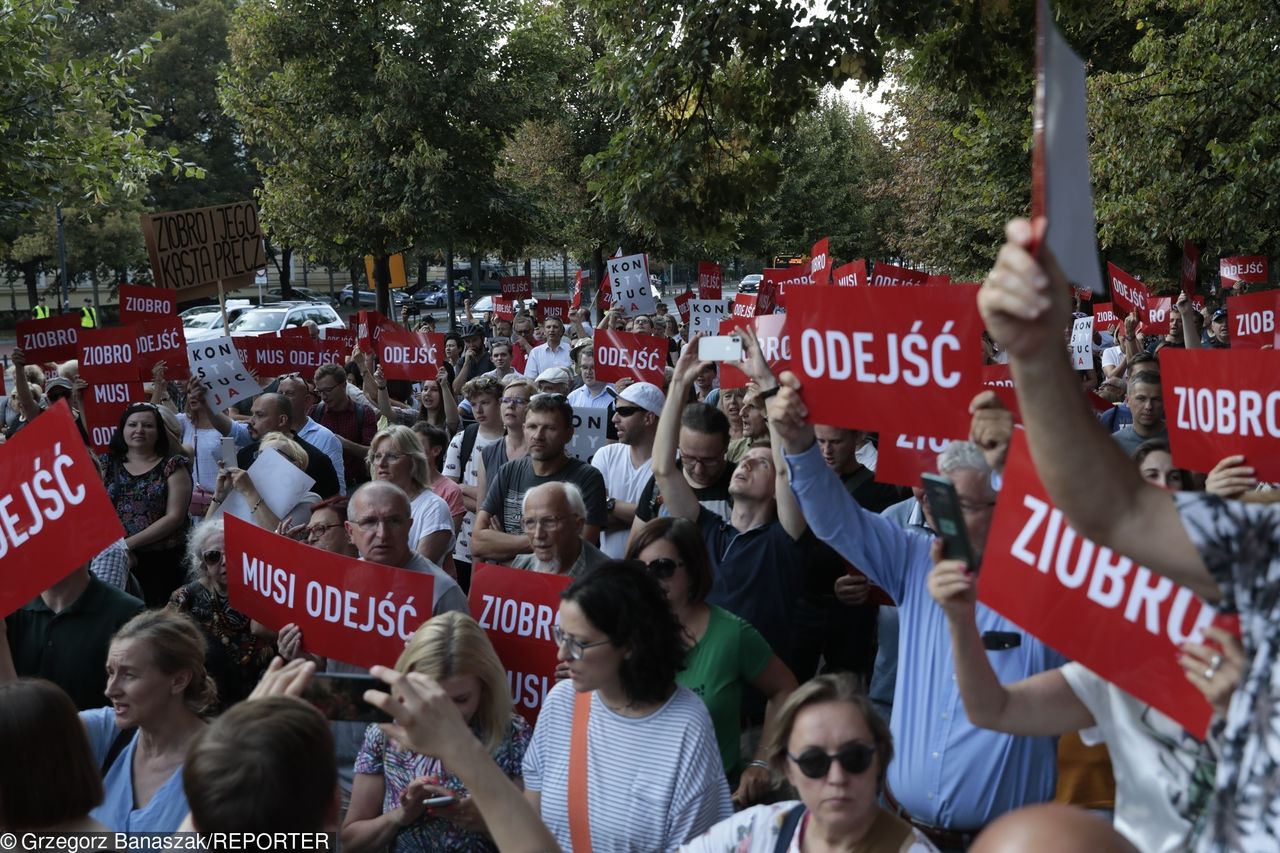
{"x": 88, "y": 315}
{"x": 41, "y": 311}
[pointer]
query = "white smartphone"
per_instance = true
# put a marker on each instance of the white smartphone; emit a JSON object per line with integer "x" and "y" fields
{"x": 435, "y": 802}
{"x": 229, "y": 451}
{"x": 720, "y": 348}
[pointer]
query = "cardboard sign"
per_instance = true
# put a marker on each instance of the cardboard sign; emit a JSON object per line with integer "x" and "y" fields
{"x": 590, "y": 431}
{"x": 349, "y": 609}
{"x": 188, "y": 248}
{"x": 820, "y": 262}
{"x": 516, "y": 287}
{"x": 744, "y": 305}
{"x": 415, "y": 356}
{"x": 890, "y": 275}
{"x": 625, "y": 355}
{"x": 852, "y": 274}
{"x": 144, "y": 303}
{"x": 1129, "y": 294}
{"x": 710, "y": 280}
{"x": 895, "y": 359}
{"x": 395, "y": 265}
{"x": 629, "y": 277}
{"x": 216, "y": 363}
{"x": 1222, "y": 402}
{"x": 1190, "y": 267}
{"x": 51, "y": 339}
{"x": 1104, "y": 317}
{"x": 55, "y": 514}
{"x": 1250, "y": 268}
{"x": 1094, "y": 606}
{"x": 682, "y": 306}
{"x": 104, "y": 403}
{"x": 162, "y": 339}
{"x": 1082, "y": 343}
{"x": 705, "y": 315}
{"x": 775, "y": 284}
{"x": 517, "y": 609}
{"x": 504, "y": 309}
{"x": 775, "y": 343}
{"x": 555, "y": 308}
{"x": 1061, "y": 187}
{"x": 1159, "y": 314}
{"x": 108, "y": 355}
{"x": 903, "y": 458}
{"x": 1251, "y": 319}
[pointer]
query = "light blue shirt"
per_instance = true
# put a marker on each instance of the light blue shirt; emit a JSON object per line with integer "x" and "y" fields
{"x": 166, "y": 809}
{"x": 946, "y": 771}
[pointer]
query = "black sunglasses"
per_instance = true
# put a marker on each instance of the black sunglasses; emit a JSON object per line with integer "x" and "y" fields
{"x": 855, "y": 758}
{"x": 627, "y": 411}
{"x": 212, "y": 557}
{"x": 661, "y": 568}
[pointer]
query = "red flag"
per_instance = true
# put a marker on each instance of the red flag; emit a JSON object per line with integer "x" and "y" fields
{"x": 820, "y": 262}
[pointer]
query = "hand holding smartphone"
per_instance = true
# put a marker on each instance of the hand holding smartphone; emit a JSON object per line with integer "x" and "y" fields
{"x": 720, "y": 348}
{"x": 228, "y": 448}
{"x": 944, "y": 505}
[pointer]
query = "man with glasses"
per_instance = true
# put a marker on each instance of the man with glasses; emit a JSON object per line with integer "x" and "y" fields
{"x": 548, "y": 428}
{"x": 294, "y": 388}
{"x": 353, "y": 424}
{"x": 554, "y": 518}
{"x": 628, "y": 465}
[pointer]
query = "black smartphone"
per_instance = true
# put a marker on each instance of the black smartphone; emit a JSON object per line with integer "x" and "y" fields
{"x": 340, "y": 696}
{"x": 944, "y": 503}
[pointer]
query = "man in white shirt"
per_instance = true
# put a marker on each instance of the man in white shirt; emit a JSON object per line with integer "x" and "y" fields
{"x": 592, "y": 393}
{"x": 500, "y": 355}
{"x": 627, "y": 465}
{"x": 553, "y": 353}
{"x": 319, "y": 436}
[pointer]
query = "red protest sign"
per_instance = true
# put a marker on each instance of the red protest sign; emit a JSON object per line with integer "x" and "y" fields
{"x": 268, "y": 355}
{"x": 1094, "y": 606}
{"x": 1250, "y": 268}
{"x": 104, "y": 403}
{"x": 901, "y": 459}
{"x": 305, "y": 354}
{"x": 775, "y": 343}
{"x": 517, "y": 609}
{"x": 144, "y": 303}
{"x": 999, "y": 379}
{"x": 820, "y": 262}
{"x": 1130, "y": 295}
{"x": 1104, "y": 317}
{"x": 340, "y": 341}
{"x": 52, "y": 339}
{"x": 578, "y": 280}
{"x": 744, "y": 305}
{"x": 1083, "y": 294}
{"x": 410, "y": 355}
{"x": 162, "y": 339}
{"x": 1158, "y": 315}
{"x": 682, "y": 305}
{"x": 504, "y": 309}
{"x": 710, "y": 280}
{"x": 852, "y": 274}
{"x": 1251, "y": 319}
{"x": 896, "y": 359}
{"x": 349, "y": 609}
{"x": 516, "y": 287}
{"x": 624, "y": 355}
{"x": 1190, "y": 267}
{"x": 890, "y": 275}
{"x": 773, "y": 287}
{"x": 56, "y": 513}
{"x": 1222, "y": 402}
{"x": 935, "y": 280}
{"x": 109, "y": 355}
{"x": 557, "y": 309}
{"x": 369, "y": 325}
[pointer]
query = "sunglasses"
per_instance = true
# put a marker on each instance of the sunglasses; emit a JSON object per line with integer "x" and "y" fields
{"x": 212, "y": 557}
{"x": 661, "y": 568}
{"x": 854, "y": 758}
{"x": 627, "y": 411}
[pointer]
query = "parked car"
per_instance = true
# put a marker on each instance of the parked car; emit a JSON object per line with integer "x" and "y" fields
{"x": 750, "y": 283}
{"x": 205, "y": 322}
{"x": 368, "y": 298}
{"x": 428, "y": 295}
{"x": 303, "y": 294}
{"x": 275, "y": 318}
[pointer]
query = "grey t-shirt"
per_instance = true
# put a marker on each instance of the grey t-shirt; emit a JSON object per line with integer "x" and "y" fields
{"x": 1131, "y": 441}
{"x": 506, "y": 492}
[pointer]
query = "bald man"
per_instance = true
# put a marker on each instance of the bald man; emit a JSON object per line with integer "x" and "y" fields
{"x": 554, "y": 516}
{"x": 1050, "y": 828}
{"x": 274, "y": 413}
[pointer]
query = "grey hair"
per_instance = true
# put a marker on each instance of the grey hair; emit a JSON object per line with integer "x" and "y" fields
{"x": 963, "y": 454}
{"x": 572, "y": 496}
{"x": 1146, "y": 377}
{"x": 197, "y": 540}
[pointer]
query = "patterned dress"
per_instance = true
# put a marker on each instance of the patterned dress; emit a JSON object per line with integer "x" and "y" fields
{"x": 235, "y": 658}
{"x": 142, "y": 499}
{"x": 398, "y": 767}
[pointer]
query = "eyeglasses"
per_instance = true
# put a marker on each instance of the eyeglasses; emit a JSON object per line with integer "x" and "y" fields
{"x": 368, "y": 525}
{"x": 513, "y": 401}
{"x": 212, "y": 557}
{"x": 574, "y": 648}
{"x": 551, "y": 523}
{"x": 315, "y": 531}
{"x": 700, "y": 461}
{"x": 389, "y": 458}
{"x": 627, "y": 411}
{"x": 661, "y": 568}
{"x": 854, "y": 758}
{"x": 328, "y": 390}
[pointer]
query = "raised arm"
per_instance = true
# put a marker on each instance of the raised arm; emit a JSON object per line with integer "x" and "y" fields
{"x": 677, "y": 494}
{"x": 789, "y": 512}
{"x": 448, "y": 402}
{"x": 1095, "y": 484}
{"x": 27, "y": 406}
{"x": 1187, "y": 311}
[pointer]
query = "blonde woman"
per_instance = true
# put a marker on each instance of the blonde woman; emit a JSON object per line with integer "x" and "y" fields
{"x": 238, "y": 479}
{"x": 391, "y": 782}
{"x": 396, "y": 455}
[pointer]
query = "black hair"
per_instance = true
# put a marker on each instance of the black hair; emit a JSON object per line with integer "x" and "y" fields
{"x": 685, "y": 537}
{"x": 432, "y": 437}
{"x": 117, "y": 446}
{"x": 620, "y": 599}
{"x": 399, "y": 389}
{"x": 702, "y": 417}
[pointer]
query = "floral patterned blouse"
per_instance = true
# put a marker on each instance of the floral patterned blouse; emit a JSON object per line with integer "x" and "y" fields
{"x": 141, "y": 499}
{"x": 235, "y": 658}
{"x": 399, "y": 767}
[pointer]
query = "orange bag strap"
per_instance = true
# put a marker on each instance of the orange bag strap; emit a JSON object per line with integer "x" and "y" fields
{"x": 579, "y": 822}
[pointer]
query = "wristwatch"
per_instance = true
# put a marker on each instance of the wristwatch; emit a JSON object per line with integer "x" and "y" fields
{"x": 609, "y": 504}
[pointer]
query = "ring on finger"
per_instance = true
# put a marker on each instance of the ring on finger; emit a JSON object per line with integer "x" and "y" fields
{"x": 1210, "y": 673}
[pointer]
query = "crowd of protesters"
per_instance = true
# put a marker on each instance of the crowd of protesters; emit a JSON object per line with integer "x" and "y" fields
{"x": 760, "y": 647}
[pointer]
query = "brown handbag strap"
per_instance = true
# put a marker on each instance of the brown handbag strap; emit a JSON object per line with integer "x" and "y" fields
{"x": 579, "y": 822}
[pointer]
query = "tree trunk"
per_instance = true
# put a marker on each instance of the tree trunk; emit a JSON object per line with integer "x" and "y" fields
{"x": 591, "y": 296}
{"x": 30, "y": 277}
{"x": 286, "y": 272}
{"x": 450, "y": 293}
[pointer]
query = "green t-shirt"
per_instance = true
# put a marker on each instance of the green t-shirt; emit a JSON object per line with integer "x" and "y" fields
{"x": 731, "y": 653}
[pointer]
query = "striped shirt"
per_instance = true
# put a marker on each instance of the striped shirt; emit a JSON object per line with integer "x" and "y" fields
{"x": 655, "y": 782}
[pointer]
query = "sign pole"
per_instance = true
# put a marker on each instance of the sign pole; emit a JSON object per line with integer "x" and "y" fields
{"x": 222, "y": 304}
